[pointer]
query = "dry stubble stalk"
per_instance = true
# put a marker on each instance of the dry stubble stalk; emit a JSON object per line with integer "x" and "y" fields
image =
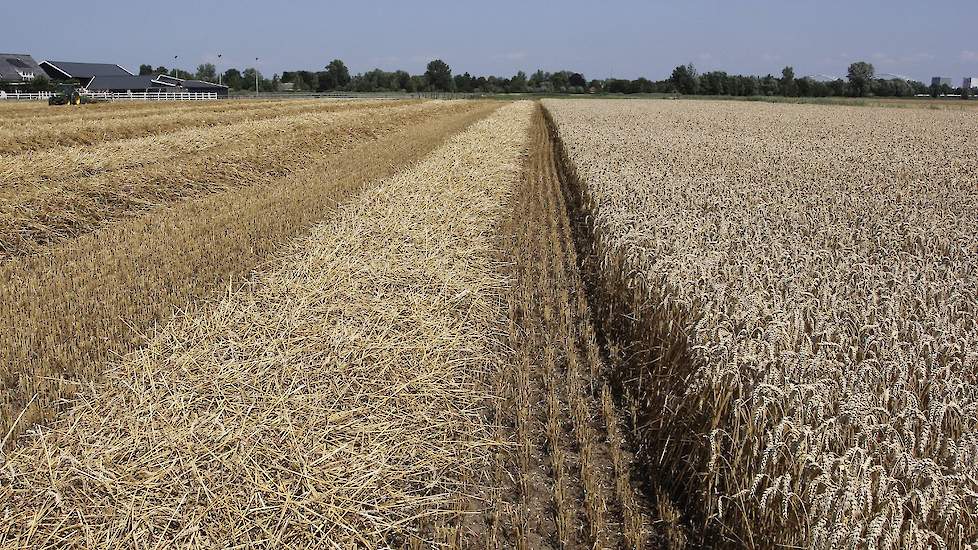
{"x": 551, "y": 337}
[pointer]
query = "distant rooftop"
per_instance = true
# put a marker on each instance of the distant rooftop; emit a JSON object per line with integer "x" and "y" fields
{"x": 16, "y": 66}
{"x": 821, "y": 77}
{"x": 127, "y": 82}
{"x": 82, "y": 71}
{"x": 892, "y": 76}
{"x": 146, "y": 82}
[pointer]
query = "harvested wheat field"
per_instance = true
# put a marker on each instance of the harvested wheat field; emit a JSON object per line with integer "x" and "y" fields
{"x": 333, "y": 400}
{"x": 789, "y": 301}
{"x": 92, "y": 264}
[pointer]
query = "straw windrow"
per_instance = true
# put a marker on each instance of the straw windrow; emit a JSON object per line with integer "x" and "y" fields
{"x": 337, "y": 399}
{"x": 74, "y": 128}
{"x": 60, "y": 194}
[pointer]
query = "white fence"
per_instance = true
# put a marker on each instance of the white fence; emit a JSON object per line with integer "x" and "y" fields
{"x": 153, "y": 96}
{"x": 119, "y": 96}
{"x": 38, "y": 96}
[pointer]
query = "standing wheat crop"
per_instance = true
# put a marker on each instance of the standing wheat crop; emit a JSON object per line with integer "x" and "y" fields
{"x": 793, "y": 297}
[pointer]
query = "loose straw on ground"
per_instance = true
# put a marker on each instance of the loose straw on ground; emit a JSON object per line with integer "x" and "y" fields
{"x": 331, "y": 402}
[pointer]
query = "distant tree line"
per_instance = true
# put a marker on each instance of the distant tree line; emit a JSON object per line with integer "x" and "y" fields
{"x": 860, "y": 81}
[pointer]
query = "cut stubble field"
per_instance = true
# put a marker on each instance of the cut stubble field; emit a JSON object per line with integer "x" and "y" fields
{"x": 333, "y": 400}
{"x": 70, "y": 305}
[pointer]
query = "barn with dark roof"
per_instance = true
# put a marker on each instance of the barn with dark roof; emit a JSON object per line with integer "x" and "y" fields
{"x": 153, "y": 83}
{"x": 82, "y": 72}
{"x": 18, "y": 68}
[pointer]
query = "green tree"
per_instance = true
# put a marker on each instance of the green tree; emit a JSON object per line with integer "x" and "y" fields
{"x": 560, "y": 80}
{"x": 641, "y": 85}
{"x": 464, "y": 83}
{"x": 439, "y": 76}
{"x": 714, "y": 83}
{"x": 578, "y": 80}
{"x": 789, "y": 87}
{"x": 417, "y": 83}
{"x": 272, "y": 85}
{"x": 805, "y": 87}
{"x": 860, "y": 77}
{"x": 917, "y": 87}
{"x": 145, "y": 70}
{"x": 617, "y": 86}
{"x": 518, "y": 83}
{"x": 684, "y": 79}
{"x": 232, "y": 79}
{"x": 336, "y": 76}
{"x": 769, "y": 86}
{"x": 403, "y": 80}
{"x": 248, "y": 78}
{"x": 836, "y": 88}
{"x": 206, "y": 72}
{"x": 161, "y": 70}
{"x": 538, "y": 79}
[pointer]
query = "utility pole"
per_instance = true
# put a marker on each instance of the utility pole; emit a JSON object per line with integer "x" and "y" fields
{"x": 175, "y": 65}
{"x": 219, "y": 75}
{"x": 256, "y": 77}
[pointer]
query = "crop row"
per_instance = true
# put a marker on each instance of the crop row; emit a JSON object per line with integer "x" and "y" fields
{"x": 37, "y": 135}
{"x": 40, "y": 113}
{"x": 53, "y": 166}
{"x": 213, "y": 159}
{"x": 567, "y": 483}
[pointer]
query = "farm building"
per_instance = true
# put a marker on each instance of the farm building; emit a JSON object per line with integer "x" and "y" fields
{"x": 940, "y": 81}
{"x": 197, "y": 86}
{"x": 127, "y": 83}
{"x": 82, "y": 72}
{"x": 18, "y": 68}
{"x": 970, "y": 82}
{"x": 109, "y": 77}
{"x": 152, "y": 82}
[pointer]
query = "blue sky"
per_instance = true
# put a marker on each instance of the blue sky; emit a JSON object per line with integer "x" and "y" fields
{"x": 624, "y": 39}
